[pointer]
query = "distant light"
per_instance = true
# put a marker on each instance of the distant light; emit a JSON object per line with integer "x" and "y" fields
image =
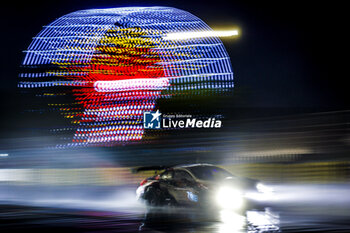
{"x": 202, "y": 34}
{"x": 132, "y": 84}
{"x": 292, "y": 151}
{"x": 4, "y": 155}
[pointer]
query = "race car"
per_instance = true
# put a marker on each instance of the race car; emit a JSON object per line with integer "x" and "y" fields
{"x": 202, "y": 185}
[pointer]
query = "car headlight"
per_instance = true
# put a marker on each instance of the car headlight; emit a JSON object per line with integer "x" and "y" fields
{"x": 263, "y": 188}
{"x": 229, "y": 198}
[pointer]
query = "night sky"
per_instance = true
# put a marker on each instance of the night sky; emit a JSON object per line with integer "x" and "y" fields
{"x": 290, "y": 54}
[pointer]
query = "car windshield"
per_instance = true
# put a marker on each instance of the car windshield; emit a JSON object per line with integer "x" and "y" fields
{"x": 209, "y": 173}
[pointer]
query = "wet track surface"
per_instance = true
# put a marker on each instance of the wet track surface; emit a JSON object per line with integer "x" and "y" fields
{"x": 72, "y": 220}
{"x": 120, "y": 213}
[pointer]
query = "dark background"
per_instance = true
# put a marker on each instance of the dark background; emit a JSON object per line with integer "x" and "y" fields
{"x": 290, "y": 57}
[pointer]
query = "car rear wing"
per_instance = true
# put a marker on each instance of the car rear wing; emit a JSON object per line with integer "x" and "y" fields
{"x": 150, "y": 168}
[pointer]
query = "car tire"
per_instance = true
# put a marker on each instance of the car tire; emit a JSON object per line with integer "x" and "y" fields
{"x": 153, "y": 197}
